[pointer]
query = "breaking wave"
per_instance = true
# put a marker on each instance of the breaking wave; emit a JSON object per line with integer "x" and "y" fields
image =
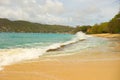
{"x": 11, "y": 56}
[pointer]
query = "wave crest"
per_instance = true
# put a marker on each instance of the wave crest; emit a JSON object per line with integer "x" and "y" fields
{"x": 10, "y": 56}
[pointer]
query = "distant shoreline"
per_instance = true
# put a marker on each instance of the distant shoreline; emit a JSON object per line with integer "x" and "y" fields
{"x": 107, "y": 35}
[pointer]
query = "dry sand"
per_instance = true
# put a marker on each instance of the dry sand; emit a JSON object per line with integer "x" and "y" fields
{"x": 71, "y": 67}
{"x": 67, "y": 70}
{"x": 107, "y": 35}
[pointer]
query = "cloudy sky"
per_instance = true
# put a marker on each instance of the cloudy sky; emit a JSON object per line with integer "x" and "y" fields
{"x": 64, "y": 12}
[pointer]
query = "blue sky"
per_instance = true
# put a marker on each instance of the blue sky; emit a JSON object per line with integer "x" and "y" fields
{"x": 63, "y": 12}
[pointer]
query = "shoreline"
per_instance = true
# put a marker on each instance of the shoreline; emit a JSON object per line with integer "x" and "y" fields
{"x": 97, "y": 64}
{"x": 106, "y": 35}
{"x": 59, "y": 70}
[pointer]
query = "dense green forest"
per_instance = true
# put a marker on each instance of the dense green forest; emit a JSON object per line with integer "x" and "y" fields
{"x": 113, "y": 26}
{"x": 25, "y": 26}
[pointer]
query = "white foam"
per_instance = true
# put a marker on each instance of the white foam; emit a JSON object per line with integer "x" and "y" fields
{"x": 11, "y": 56}
{"x": 78, "y": 36}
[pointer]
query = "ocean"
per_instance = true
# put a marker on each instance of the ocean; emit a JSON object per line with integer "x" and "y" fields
{"x": 17, "y": 47}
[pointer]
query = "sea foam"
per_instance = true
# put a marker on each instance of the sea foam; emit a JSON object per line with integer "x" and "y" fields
{"x": 15, "y": 55}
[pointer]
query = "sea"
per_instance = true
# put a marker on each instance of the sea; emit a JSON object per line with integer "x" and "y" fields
{"x": 17, "y": 47}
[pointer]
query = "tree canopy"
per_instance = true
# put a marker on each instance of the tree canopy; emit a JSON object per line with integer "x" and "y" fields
{"x": 25, "y": 26}
{"x": 113, "y": 26}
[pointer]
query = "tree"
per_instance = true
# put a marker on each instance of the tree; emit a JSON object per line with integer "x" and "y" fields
{"x": 114, "y": 24}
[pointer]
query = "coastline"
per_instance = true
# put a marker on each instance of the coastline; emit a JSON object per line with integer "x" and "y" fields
{"x": 70, "y": 67}
{"x": 107, "y": 35}
{"x": 63, "y": 68}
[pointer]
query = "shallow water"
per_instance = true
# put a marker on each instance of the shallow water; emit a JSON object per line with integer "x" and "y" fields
{"x": 13, "y": 40}
{"x": 17, "y": 47}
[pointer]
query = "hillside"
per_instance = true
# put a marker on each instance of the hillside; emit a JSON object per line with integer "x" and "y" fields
{"x": 113, "y": 26}
{"x": 25, "y": 26}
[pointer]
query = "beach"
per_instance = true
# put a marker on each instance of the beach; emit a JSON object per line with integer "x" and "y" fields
{"x": 98, "y": 64}
{"x": 55, "y": 70}
{"x": 59, "y": 39}
{"x": 107, "y": 35}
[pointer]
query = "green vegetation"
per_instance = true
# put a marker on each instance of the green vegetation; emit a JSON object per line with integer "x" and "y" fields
{"x": 101, "y": 28}
{"x": 25, "y": 26}
{"x": 113, "y": 26}
{"x": 81, "y": 28}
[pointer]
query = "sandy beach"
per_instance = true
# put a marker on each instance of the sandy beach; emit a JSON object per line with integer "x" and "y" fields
{"x": 70, "y": 67}
{"x": 56, "y": 70}
{"x": 59, "y": 39}
{"x": 107, "y": 35}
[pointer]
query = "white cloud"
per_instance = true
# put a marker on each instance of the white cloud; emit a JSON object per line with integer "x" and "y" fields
{"x": 68, "y": 12}
{"x": 4, "y": 2}
{"x": 33, "y": 11}
{"x": 53, "y": 7}
{"x": 93, "y": 11}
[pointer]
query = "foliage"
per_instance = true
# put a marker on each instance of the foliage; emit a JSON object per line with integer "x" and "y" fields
{"x": 25, "y": 26}
{"x": 114, "y": 24}
{"x": 101, "y": 28}
{"x": 107, "y": 27}
{"x": 81, "y": 28}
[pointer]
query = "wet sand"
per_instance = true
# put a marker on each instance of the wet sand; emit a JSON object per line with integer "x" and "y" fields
{"x": 95, "y": 65}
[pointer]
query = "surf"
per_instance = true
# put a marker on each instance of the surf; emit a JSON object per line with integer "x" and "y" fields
{"x": 15, "y": 55}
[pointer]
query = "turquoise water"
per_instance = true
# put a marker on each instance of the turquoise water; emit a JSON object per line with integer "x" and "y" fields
{"x": 13, "y": 40}
{"x": 49, "y": 41}
{"x": 17, "y": 47}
